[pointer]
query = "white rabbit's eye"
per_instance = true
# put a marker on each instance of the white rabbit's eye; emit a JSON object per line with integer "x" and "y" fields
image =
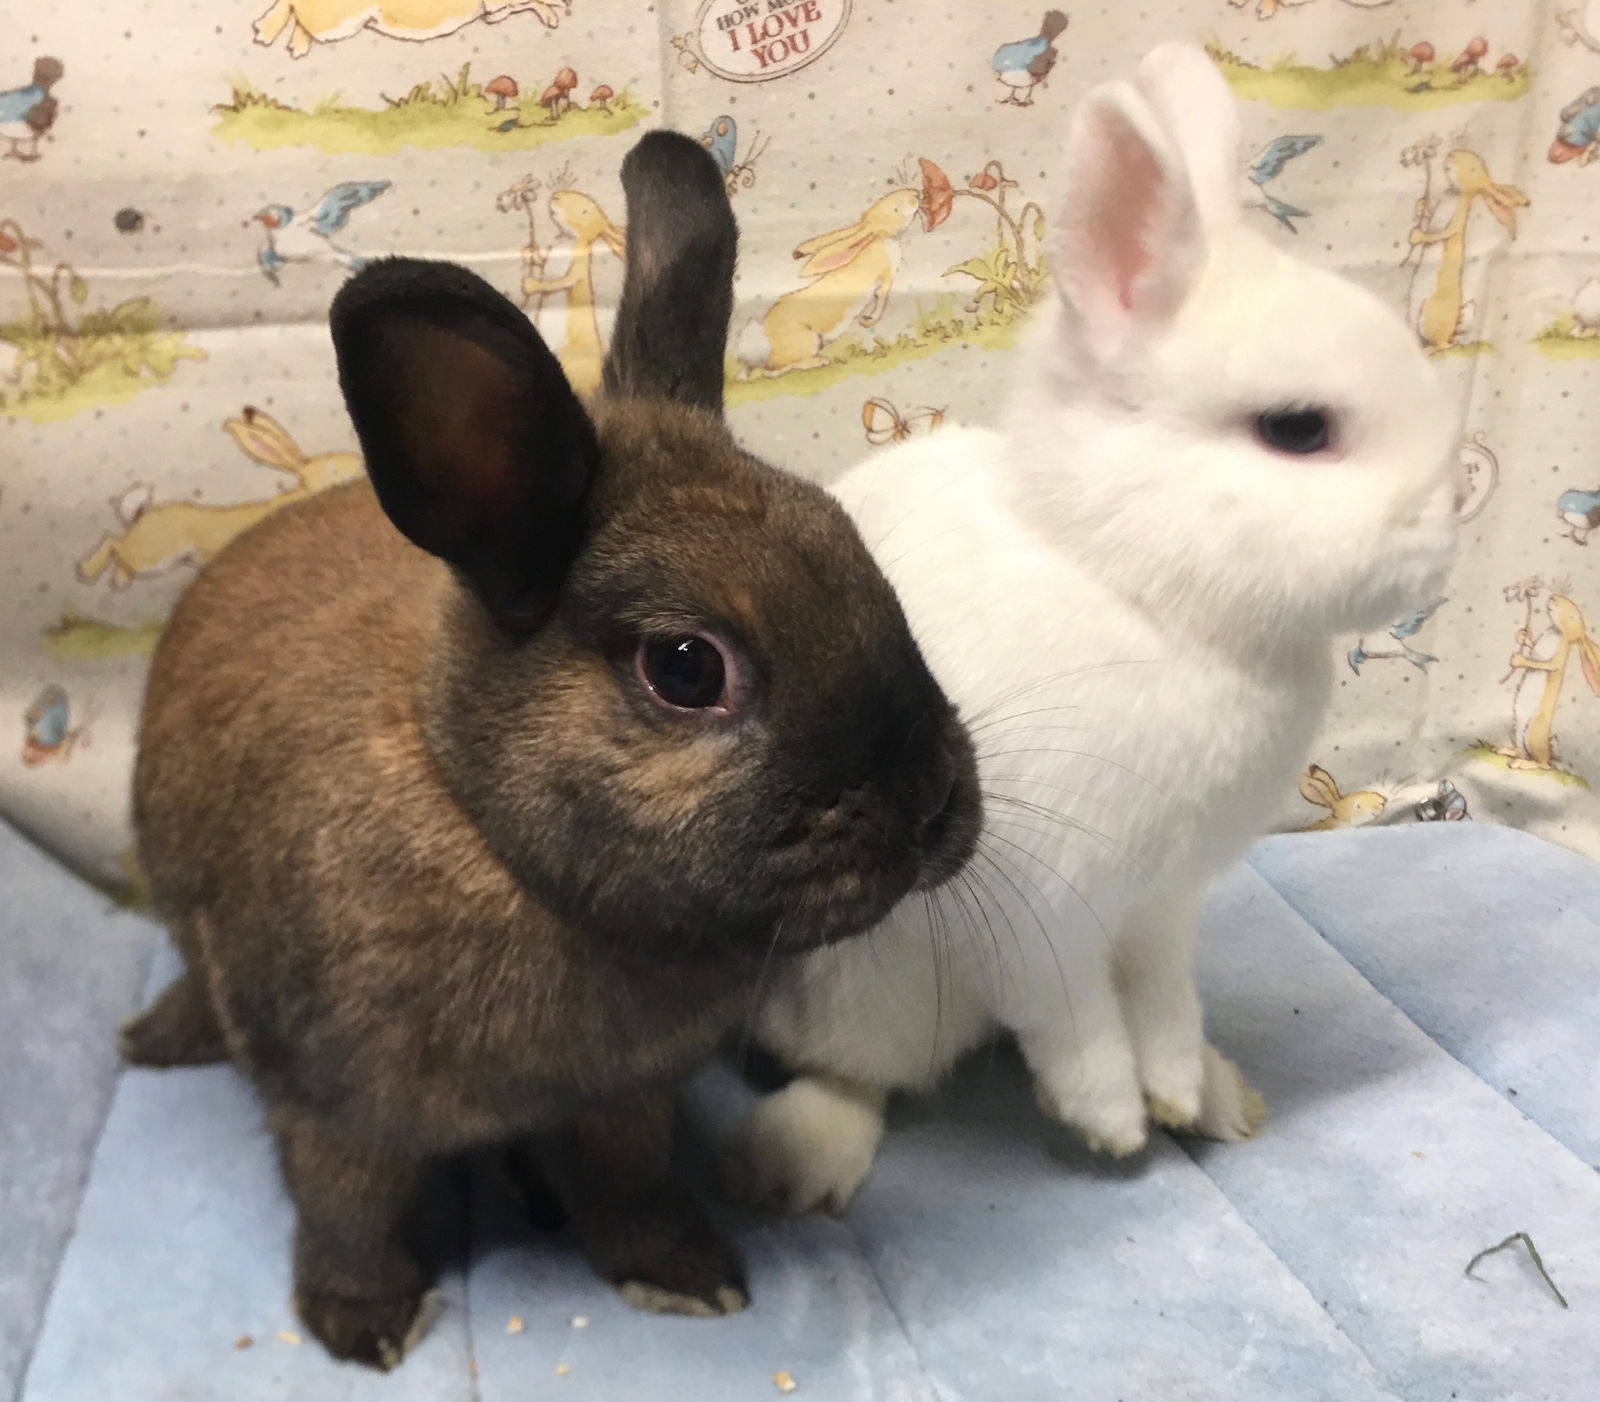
{"x": 1297, "y": 431}
{"x": 687, "y": 671}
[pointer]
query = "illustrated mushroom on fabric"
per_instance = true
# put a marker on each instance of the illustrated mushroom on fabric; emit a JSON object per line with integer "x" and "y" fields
{"x": 1418, "y": 56}
{"x": 558, "y": 96}
{"x": 601, "y": 97}
{"x": 501, "y": 89}
{"x": 1507, "y": 67}
{"x": 1466, "y": 62}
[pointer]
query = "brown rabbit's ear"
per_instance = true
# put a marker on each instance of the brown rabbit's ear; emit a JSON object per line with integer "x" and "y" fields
{"x": 478, "y": 448}
{"x": 671, "y": 335}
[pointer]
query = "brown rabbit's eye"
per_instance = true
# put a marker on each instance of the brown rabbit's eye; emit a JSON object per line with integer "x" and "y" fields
{"x": 687, "y": 671}
{"x": 1297, "y": 431}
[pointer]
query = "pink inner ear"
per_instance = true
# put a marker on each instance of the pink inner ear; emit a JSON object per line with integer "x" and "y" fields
{"x": 837, "y": 257}
{"x": 1126, "y": 207}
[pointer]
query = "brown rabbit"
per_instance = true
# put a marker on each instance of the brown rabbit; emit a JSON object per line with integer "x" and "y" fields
{"x": 490, "y": 836}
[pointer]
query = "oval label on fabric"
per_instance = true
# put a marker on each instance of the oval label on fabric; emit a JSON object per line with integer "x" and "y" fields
{"x": 753, "y": 41}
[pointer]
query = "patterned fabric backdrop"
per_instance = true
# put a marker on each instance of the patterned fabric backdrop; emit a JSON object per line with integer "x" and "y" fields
{"x": 184, "y": 184}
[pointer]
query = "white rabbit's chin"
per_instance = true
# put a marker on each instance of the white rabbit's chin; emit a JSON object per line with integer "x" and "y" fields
{"x": 1414, "y": 572}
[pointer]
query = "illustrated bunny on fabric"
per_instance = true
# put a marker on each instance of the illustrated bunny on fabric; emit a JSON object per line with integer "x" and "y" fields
{"x": 165, "y": 535}
{"x": 1345, "y": 810}
{"x": 1446, "y": 313}
{"x": 1540, "y": 668}
{"x": 311, "y": 22}
{"x": 853, "y": 271}
{"x": 567, "y": 270}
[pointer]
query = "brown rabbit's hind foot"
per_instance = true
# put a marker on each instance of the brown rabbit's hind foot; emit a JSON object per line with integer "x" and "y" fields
{"x": 376, "y": 1332}
{"x": 518, "y": 1170}
{"x": 668, "y": 1258}
{"x": 179, "y": 1029}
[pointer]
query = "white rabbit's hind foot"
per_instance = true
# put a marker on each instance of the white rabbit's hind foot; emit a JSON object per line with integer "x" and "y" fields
{"x": 1113, "y": 1125}
{"x": 806, "y": 1148}
{"x": 1231, "y": 1109}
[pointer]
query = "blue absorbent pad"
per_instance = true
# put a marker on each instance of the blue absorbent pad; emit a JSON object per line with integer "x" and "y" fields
{"x": 1420, "y": 1006}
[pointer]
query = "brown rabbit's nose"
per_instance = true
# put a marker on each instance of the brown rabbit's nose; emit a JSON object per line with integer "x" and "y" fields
{"x": 932, "y": 830}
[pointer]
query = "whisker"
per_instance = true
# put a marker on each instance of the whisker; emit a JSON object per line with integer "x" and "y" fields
{"x": 888, "y": 565}
{"x": 1030, "y": 729}
{"x": 1049, "y": 943}
{"x": 954, "y": 480}
{"x": 757, "y": 998}
{"x": 1079, "y": 796}
{"x": 1019, "y": 692}
{"x": 981, "y": 726}
{"x": 969, "y": 877}
{"x": 1082, "y": 900}
{"x": 971, "y": 907}
{"x": 1068, "y": 824}
{"x": 929, "y": 906}
{"x": 1074, "y": 754}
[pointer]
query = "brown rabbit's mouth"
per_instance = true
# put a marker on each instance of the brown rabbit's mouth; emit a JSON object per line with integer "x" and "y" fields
{"x": 859, "y": 874}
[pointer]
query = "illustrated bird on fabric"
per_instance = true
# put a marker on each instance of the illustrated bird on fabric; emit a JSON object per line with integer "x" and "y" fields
{"x": 1022, "y": 66}
{"x": 308, "y": 238}
{"x": 1406, "y": 626}
{"x": 28, "y": 113}
{"x": 1581, "y": 511}
{"x": 1578, "y": 137}
{"x": 1268, "y": 166}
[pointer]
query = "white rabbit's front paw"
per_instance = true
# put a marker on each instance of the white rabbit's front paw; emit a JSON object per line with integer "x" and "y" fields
{"x": 1231, "y": 1108}
{"x": 807, "y": 1148}
{"x": 1111, "y": 1124}
{"x": 1173, "y": 1090}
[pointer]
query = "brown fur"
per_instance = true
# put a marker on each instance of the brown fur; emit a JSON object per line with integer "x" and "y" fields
{"x": 445, "y": 875}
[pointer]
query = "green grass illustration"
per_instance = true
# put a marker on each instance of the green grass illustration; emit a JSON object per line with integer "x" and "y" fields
{"x": 64, "y": 358}
{"x": 1560, "y": 341}
{"x": 77, "y": 637}
{"x": 440, "y": 113}
{"x": 1379, "y": 74}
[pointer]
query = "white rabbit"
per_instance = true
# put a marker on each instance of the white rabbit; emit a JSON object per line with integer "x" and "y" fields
{"x": 1218, "y": 457}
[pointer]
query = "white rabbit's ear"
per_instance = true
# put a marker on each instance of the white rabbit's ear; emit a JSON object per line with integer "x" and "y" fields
{"x": 1191, "y": 99}
{"x": 1130, "y": 242}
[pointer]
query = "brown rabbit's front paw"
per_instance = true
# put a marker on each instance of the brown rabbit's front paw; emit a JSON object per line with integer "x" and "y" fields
{"x": 376, "y": 1332}
{"x": 669, "y": 1259}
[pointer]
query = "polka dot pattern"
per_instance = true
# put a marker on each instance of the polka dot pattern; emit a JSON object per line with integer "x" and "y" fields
{"x": 174, "y": 128}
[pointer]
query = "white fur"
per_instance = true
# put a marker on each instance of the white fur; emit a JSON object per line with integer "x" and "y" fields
{"x": 1133, "y": 603}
